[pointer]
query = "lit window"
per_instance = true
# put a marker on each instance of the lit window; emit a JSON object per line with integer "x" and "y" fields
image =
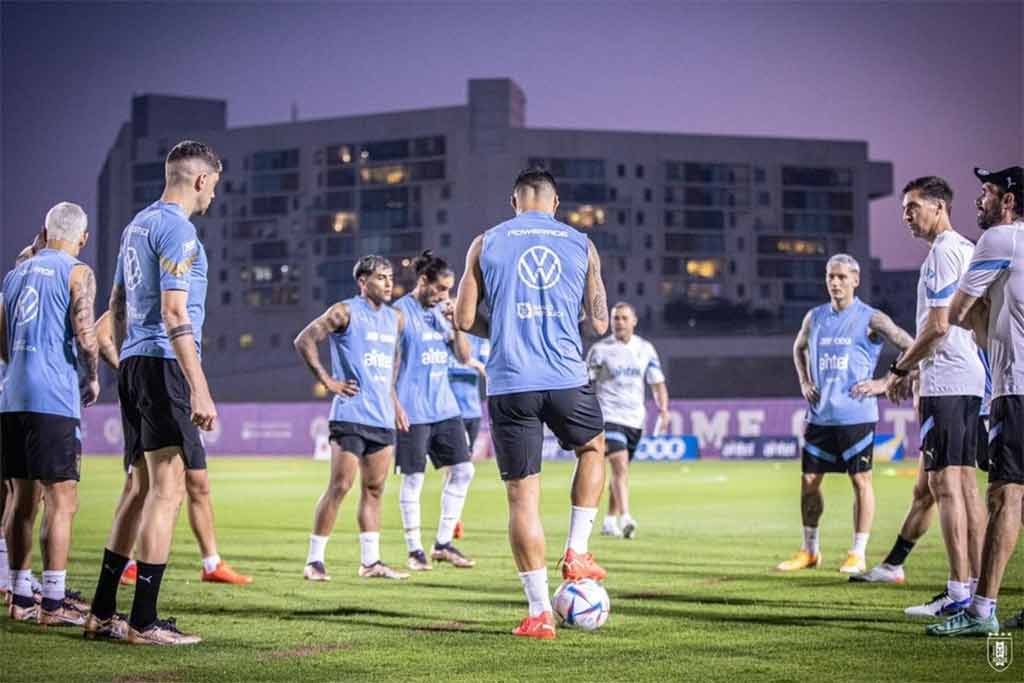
{"x": 345, "y": 154}
{"x": 703, "y": 268}
{"x": 343, "y": 220}
{"x": 586, "y": 216}
{"x": 245, "y": 341}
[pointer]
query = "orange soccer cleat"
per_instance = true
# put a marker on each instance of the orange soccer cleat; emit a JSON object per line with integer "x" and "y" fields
{"x": 541, "y": 627}
{"x": 576, "y": 567}
{"x": 459, "y": 530}
{"x": 225, "y": 574}
{"x": 130, "y": 574}
{"x": 801, "y": 560}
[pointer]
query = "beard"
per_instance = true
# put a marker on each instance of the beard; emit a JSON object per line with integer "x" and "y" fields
{"x": 989, "y": 217}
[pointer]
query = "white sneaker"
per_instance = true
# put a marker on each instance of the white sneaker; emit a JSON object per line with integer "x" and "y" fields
{"x": 629, "y": 528}
{"x": 611, "y": 529}
{"x": 939, "y": 606}
{"x": 881, "y": 573}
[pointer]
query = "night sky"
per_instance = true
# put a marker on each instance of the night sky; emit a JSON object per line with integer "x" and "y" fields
{"x": 936, "y": 88}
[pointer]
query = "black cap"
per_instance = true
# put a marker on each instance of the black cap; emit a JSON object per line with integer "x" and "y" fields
{"x": 1009, "y": 179}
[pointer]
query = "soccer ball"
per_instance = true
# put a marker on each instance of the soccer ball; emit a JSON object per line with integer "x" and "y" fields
{"x": 582, "y": 604}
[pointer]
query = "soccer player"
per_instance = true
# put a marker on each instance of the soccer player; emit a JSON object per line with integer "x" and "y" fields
{"x": 990, "y": 301}
{"x": 435, "y": 422}
{"x": 363, "y": 333}
{"x": 158, "y": 305}
{"x": 465, "y": 381}
{"x": 619, "y": 365}
{"x": 537, "y": 276}
{"x": 952, "y": 383}
{"x": 197, "y": 487}
{"x": 48, "y": 343}
{"x": 837, "y": 347}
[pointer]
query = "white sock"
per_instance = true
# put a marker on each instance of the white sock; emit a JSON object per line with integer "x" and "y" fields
{"x": 211, "y": 563}
{"x": 860, "y": 544}
{"x": 409, "y": 504}
{"x": 53, "y": 584}
{"x": 21, "y": 582}
{"x": 453, "y": 499}
{"x": 369, "y": 548}
{"x": 982, "y": 607}
{"x": 811, "y": 540}
{"x": 535, "y": 584}
{"x": 36, "y": 586}
{"x": 317, "y": 547}
{"x": 973, "y": 584}
{"x": 581, "y": 522}
{"x": 958, "y": 590}
{"x": 611, "y": 522}
{"x": 5, "y": 570}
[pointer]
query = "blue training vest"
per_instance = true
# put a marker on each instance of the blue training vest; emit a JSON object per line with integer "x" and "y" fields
{"x": 842, "y": 354}
{"x": 535, "y": 271}
{"x": 42, "y": 376}
{"x": 465, "y": 380}
{"x": 423, "y": 388}
{"x": 365, "y": 352}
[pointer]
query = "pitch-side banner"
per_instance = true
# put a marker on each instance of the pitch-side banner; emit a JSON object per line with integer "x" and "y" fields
{"x": 295, "y": 428}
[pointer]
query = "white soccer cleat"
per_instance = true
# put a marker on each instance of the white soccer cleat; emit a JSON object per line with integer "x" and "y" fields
{"x": 881, "y": 573}
{"x": 629, "y": 528}
{"x": 611, "y": 529}
{"x": 939, "y": 606}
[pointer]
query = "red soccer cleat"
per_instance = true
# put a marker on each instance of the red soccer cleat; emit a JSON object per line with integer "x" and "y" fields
{"x": 130, "y": 574}
{"x": 578, "y": 567}
{"x": 541, "y": 628}
{"x": 457, "y": 534}
{"x": 225, "y": 574}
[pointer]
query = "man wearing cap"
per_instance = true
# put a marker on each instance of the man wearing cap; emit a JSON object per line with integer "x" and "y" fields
{"x": 990, "y": 301}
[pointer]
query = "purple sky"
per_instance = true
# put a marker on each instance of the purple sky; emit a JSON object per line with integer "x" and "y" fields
{"x": 934, "y": 88}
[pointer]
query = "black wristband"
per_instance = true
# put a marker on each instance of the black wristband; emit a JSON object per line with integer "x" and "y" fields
{"x": 896, "y": 371}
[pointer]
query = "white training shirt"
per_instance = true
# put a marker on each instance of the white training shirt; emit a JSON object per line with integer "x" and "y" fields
{"x": 955, "y": 368}
{"x": 619, "y": 371}
{"x": 997, "y": 271}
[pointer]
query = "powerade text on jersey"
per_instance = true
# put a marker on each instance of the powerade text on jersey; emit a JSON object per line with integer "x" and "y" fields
{"x": 160, "y": 251}
{"x": 365, "y": 352}
{"x": 534, "y": 270}
{"x": 42, "y": 376}
{"x": 842, "y": 354}
{"x": 423, "y": 388}
{"x": 465, "y": 381}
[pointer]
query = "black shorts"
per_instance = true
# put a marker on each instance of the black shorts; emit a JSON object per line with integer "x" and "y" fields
{"x": 1006, "y": 440}
{"x": 156, "y": 410}
{"x": 949, "y": 431}
{"x": 360, "y": 439}
{"x": 982, "y": 452}
{"x": 621, "y": 438}
{"x": 446, "y": 443}
{"x": 472, "y": 426}
{"x": 838, "y": 448}
{"x": 518, "y": 420}
{"x": 40, "y": 446}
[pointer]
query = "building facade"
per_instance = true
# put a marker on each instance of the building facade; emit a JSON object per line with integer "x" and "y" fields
{"x": 719, "y": 242}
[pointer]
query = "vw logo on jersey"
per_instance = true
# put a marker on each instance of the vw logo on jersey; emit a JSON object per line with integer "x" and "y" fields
{"x": 28, "y": 305}
{"x": 539, "y": 267}
{"x": 132, "y": 268}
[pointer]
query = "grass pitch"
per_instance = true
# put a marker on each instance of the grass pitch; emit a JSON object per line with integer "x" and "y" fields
{"x": 693, "y": 597}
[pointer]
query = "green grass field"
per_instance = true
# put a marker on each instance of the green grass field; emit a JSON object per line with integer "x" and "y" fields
{"x": 693, "y": 597}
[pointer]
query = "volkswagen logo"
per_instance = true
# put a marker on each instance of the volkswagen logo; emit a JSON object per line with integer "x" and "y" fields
{"x": 28, "y": 305}
{"x": 539, "y": 268}
{"x": 132, "y": 268}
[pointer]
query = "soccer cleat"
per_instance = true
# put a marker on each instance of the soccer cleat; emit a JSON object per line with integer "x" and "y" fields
{"x": 417, "y": 562}
{"x": 881, "y": 573}
{"x": 1016, "y": 621}
{"x": 114, "y": 628}
{"x": 449, "y": 553}
{"x": 19, "y": 613}
{"x": 162, "y": 632}
{"x": 629, "y": 528}
{"x": 939, "y": 606}
{"x": 5, "y": 595}
{"x": 541, "y": 627}
{"x": 316, "y": 571}
{"x": 225, "y": 574}
{"x": 130, "y": 574}
{"x": 611, "y": 529}
{"x": 963, "y": 623}
{"x": 578, "y": 567}
{"x": 379, "y": 570}
{"x": 801, "y": 560}
{"x": 66, "y": 614}
{"x": 459, "y": 530}
{"x": 77, "y": 601}
{"x": 854, "y": 564}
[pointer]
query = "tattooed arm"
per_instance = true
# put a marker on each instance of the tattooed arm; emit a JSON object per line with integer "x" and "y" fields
{"x": 118, "y": 307}
{"x": 334, "y": 319}
{"x": 595, "y": 302}
{"x": 468, "y": 316}
{"x": 83, "y": 301}
{"x": 105, "y": 339}
{"x": 882, "y": 327}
